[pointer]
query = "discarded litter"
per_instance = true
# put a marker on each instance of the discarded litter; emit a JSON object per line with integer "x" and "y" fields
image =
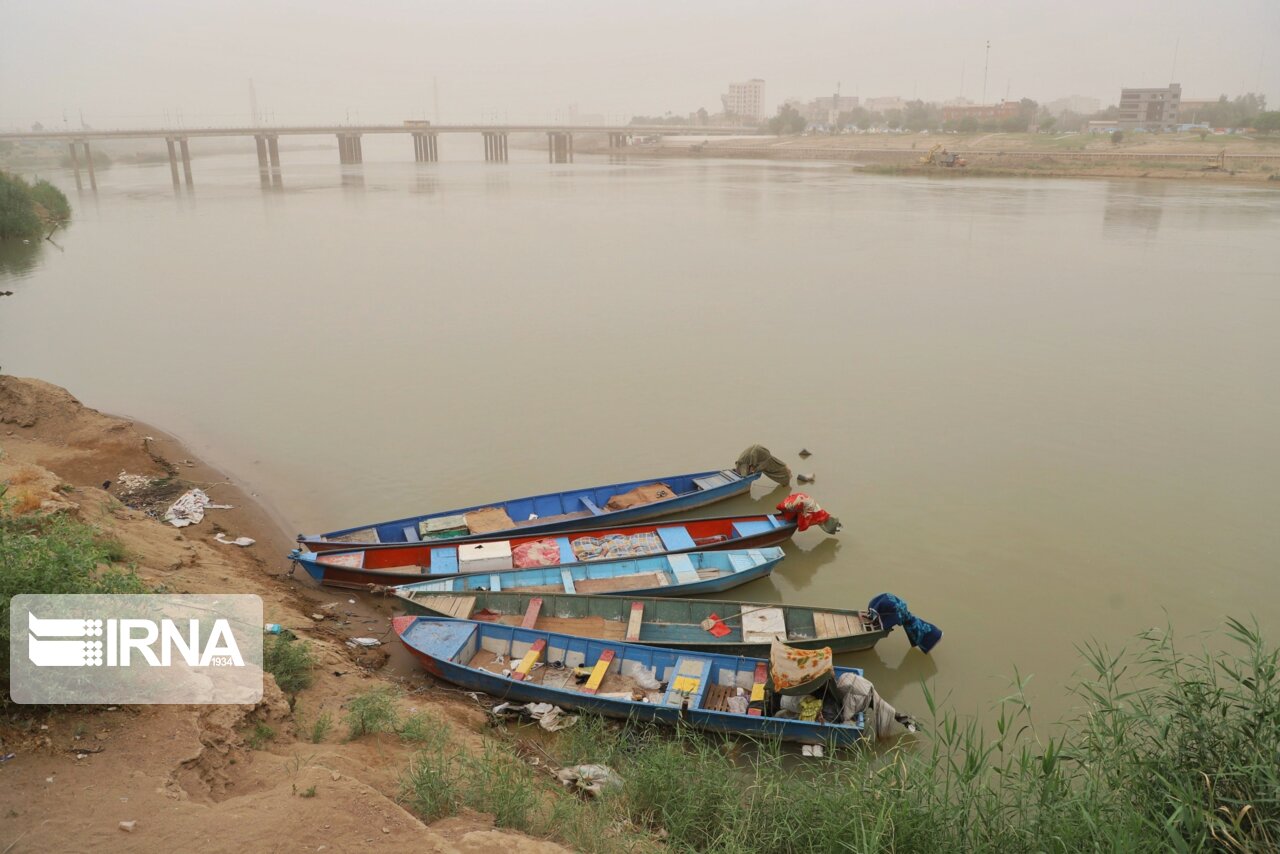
{"x": 272, "y": 628}
{"x": 7, "y": 757}
{"x": 354, "y": 642}
{"x": 128, "y": 826}
{"x": 243, "y": 542}
{"x": 591, "y": 779}
{"x": 188, "y": 509}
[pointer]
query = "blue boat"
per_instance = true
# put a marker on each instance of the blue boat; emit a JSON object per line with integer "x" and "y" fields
{"x": 389, "y": 565}
{"x": 532, "y": 666}
{"x": 657, "y": 575}
{"x": 600, "y": 505}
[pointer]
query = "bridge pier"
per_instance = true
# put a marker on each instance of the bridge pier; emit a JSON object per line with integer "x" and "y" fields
{"x": 424, "y": 148}
{"x": 88, "y": 156}
{"x": 559, "y": 147}
{"x": 75, "y": 165}
{"x": 617, "y": 140}
{"x": 173, "y": 160}
{"x": 273, "y": 149}
{"x": 260, "y": 142}
{"x": 186, "y": 160}
{"x": 349, "y": 150}
{"x": 495, "y": 146}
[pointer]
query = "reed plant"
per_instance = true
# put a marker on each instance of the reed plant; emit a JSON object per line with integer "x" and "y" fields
{"x": 1168, "y": 750}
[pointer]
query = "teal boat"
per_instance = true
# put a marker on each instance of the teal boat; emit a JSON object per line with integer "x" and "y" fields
{"x": 708, "y": 625}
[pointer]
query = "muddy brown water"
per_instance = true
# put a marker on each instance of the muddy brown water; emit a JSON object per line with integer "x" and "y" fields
{"x": 1046, "y": 411}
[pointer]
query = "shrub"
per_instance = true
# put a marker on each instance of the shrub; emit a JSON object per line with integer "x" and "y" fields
{"x": 55, "y": 555}
{"x": 18, "y": 216}
{"x": 289, "y": 660}
{"x": 53, "y": 200}
{"x": 499, "y": 783}
{"x": 320, "y": 727}
{"x": 260, "y": 736}
{"x": 370, "y": 712}
{"x": 427, "y": 786}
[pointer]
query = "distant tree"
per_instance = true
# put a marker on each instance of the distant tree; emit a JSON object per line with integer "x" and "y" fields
{"x": 893, "y": 118}
{"x": 1046, "y": 122}
{"x": 787, "y": 121}
{"x": 1268, "y": 122}
{"x": 920, "y": 116}
{"x": 1204, "y": 134}
{"x": 703, "y": 116}
{"x": 1117, "y": 137}
{"x": 17, "y": 209}
{"x": 967, "y": 125}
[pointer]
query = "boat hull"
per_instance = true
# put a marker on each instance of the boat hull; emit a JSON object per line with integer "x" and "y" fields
{"x": 670, "y": 623}
{"x": 617, "y": 577}
{"x": 507, "y": 689}
{"x": 327, "y": 567}
{"x": 681, "y": 502}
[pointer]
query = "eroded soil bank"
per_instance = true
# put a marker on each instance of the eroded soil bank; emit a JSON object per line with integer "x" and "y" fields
{"x": 195, "y": 777}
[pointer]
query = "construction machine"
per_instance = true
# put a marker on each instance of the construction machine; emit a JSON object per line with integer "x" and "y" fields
{"x": 939, "y": 156}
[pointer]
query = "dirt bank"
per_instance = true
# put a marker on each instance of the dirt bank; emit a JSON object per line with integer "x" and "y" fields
{"x": 1168, "y": 156}
{"x": 189, "y": 775}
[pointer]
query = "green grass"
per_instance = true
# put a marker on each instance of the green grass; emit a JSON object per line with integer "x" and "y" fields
{"x": 320, "y": 727}
{"x": 425, "y": 730}
{"x": 371, "y": 712}
{"x": 1170, "y": 751}
{"x": 289, "y": 660}
{"x": 260, "y": 736}
{"x": 429, "y": 786}
{"x": 55, "y": 554}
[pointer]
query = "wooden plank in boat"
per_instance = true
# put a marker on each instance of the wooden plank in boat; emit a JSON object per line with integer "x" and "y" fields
{"x": 637, "y": 617}
{"x": 683, "y": 569}
{"x": 566, "y": 578}
{"x": 531, "y": 615}
{"x": 823, "y": 624}
{"x": 762, "y": 625}
{"x": 597, "y": 674}
{"x": 462, "y": 606}
{"x": 844, "y": 626}
{"x": 530, "y": 658}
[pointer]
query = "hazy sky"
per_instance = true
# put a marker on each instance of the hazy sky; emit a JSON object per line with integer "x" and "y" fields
{"x": 130, "y": 63}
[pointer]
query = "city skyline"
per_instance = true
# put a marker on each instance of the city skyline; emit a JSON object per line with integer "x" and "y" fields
{"x": 513, "y": 62}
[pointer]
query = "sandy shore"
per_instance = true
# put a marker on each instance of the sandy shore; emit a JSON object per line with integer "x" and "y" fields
{"x": 1169, "y": 156}
{"x": 186, "y": 774}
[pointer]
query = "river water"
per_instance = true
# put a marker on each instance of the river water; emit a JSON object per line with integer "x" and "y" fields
{"x": 1046, "y": 410}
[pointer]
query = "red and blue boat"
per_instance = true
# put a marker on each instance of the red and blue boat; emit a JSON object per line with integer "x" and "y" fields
{"x": 389, "y": 565}
{"x": 611, "y": 504}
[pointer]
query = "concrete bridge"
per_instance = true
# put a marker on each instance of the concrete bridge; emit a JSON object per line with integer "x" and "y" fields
{"x": 423, "y": 135}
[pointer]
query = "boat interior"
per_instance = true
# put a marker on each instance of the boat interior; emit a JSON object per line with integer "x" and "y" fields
{"x": 549, "y": 549}
{"x": 653, "y": 620}
{"x": 536, "y": 510}
{"x": 686, "y": 680}
{"x": 609, "y": 576}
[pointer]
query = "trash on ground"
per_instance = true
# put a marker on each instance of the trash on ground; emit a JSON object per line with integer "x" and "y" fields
{"x": 128, "y": 826}
{"x": 591, "y": 779}
{"x": 188, "y": 509}
{"x": 242, "y": 542}
{"x": 370, "y": 642}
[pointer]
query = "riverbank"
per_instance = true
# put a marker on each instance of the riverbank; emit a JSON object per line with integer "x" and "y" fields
{"x": 345, "y": 754}
{"x": 1168, "y": 156}
{"x": 216, "y": 777}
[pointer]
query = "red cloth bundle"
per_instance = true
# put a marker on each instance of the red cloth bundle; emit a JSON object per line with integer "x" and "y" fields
{"x": 803, "y": 510}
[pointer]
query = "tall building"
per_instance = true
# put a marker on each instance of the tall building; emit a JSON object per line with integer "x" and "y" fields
{"x": 825, "y": 110}
{"x": 1080, "y": 104}
{"x": 745, "y": 100}
{"x": 1149, "y": 109}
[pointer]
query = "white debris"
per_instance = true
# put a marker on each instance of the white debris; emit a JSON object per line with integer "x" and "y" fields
{"x": 187, "y": 510}
{"x": 364, "y": 642}
{"x": 592, "y": 779}
{"x": 243, "y": 542}
{"x": 128, "y": 826}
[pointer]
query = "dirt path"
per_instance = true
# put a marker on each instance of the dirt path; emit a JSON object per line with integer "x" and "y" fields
{"x": 187, "y": 775}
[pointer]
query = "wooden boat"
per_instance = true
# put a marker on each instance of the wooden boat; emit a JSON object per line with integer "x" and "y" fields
{"x": 394, "y": 564}
{"x": 500, "y": 661}
{"x": 749, "y": 628}
{"x": 663, "y": 575}
{"x": 556, "y": 511}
